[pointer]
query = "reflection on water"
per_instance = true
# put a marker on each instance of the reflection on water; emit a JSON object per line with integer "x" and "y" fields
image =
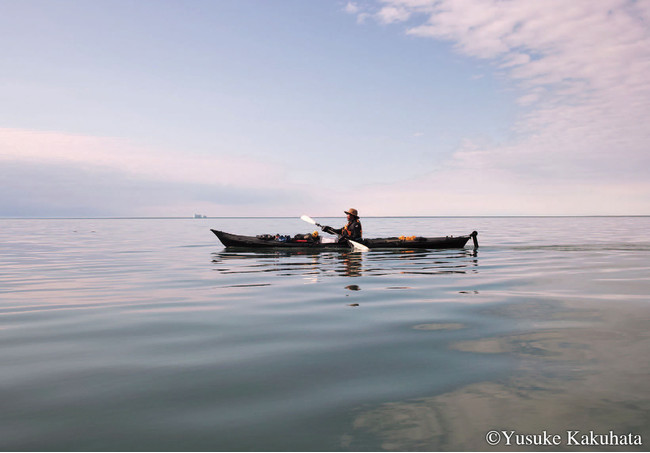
{"x": 346, "y": 263}
{"x": 583, "y": 376}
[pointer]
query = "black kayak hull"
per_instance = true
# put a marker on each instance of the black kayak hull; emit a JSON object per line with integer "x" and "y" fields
{"x": 447, "y": 242}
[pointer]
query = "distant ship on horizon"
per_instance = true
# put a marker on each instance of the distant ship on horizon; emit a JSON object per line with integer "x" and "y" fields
{"x": 199, "y": 216}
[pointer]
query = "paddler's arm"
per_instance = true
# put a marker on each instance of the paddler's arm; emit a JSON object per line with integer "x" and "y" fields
{"x": 330, "y": 230}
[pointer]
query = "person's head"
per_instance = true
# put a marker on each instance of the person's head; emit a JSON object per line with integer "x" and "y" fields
{"x": 352, "y": 214}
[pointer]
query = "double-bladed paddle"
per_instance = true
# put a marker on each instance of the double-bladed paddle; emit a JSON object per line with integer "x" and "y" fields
{"x": 355, "y": 244}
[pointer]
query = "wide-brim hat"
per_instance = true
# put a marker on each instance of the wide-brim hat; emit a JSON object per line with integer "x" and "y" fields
{"x": 353, "y": 212}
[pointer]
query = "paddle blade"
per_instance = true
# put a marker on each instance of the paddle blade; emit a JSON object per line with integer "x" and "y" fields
{"x": 308, "y": 219}
{"x": 358, "y": 246}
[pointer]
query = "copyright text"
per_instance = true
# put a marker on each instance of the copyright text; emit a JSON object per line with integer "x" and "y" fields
{"x": 569, "y": 438}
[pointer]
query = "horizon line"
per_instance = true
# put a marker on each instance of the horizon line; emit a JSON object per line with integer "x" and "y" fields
{"x": 326, "y": 216}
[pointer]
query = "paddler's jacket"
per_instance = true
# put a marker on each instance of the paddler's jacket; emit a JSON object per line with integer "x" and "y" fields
{"x": 350, "y": 231}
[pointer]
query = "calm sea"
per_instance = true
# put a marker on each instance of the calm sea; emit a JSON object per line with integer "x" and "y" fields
{"x": 147, "y": 334}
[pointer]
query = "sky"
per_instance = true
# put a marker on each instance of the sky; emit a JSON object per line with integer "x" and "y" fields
{"x": 290, "y": 107}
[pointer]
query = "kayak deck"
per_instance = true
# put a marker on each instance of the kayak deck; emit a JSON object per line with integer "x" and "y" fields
{"x": 267, "y": 241}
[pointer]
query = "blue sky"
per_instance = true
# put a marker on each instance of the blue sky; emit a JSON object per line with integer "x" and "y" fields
{"x": 395, "y": 107}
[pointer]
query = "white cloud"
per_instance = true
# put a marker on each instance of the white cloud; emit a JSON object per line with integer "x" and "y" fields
{"x": 391, "y": 14}
{"x": 351, "y": 8}
{"x": 133, "y": 159}
{"x": 108, "y": 176}
{"x": 581, "y": 68}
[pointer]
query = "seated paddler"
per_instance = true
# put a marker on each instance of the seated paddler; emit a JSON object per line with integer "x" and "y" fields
{"x": 351, "y": 230}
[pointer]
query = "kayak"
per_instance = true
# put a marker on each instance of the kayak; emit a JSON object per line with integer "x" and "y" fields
{"x": 305, "y": 241}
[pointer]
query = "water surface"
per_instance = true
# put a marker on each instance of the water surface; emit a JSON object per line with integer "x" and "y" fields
{"x": 147, "y": 334}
